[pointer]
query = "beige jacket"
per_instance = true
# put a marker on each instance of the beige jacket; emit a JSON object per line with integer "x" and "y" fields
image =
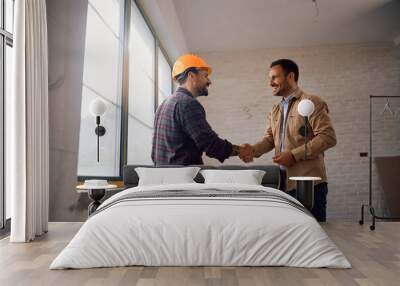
{"x": 321, "y": 138}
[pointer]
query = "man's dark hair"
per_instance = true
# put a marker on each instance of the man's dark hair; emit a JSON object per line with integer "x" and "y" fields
{"x": 182, "y": 77}
{"x": 288, "y": 66}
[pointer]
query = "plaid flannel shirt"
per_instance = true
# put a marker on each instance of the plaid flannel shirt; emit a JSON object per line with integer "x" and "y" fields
{"x": 182, "y": 133}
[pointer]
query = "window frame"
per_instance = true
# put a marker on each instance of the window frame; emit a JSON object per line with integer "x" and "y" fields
{"x": 6, "y": 39}
{"x": 125, "y": 23}
{"x": 122, "y": 25}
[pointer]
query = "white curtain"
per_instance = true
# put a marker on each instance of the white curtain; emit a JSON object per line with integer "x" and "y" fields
{"x": 28, "y": 148}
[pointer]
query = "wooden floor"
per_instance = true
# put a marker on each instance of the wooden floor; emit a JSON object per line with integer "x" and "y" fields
{"x": 375, "y": 256}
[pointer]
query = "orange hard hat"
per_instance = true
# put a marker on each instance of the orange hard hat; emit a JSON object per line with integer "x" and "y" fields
{"x": 189, "y": 61}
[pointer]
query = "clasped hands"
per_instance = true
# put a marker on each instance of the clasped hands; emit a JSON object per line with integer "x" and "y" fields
{"x": 247, "y": 154}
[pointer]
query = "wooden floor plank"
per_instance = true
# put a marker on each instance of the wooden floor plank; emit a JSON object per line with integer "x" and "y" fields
{"x": 375, "y": 257}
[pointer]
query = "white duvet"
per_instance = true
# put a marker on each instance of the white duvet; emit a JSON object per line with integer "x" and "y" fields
{"x": 200, "y": 231}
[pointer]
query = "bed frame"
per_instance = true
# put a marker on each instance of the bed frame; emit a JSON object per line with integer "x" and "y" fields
{"x": 270, "y": 179}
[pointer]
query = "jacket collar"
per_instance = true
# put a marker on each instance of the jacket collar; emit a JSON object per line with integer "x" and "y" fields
{"x": 297, "y": 93}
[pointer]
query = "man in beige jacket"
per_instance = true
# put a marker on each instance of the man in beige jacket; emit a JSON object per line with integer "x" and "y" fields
{"x": 285, "y": 134}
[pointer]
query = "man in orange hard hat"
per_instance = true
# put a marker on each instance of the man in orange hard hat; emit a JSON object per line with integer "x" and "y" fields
{"x": 181, "y": 131}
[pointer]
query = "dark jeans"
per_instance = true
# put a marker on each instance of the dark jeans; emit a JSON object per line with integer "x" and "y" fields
{"x": 320, "y": 193}
{"x": 319, "y": 208}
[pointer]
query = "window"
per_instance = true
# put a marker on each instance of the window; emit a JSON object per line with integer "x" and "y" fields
{"x": 122, "y": 66}
{"x": 101, "y": 79}
{"x": 6, "y": 44}
{"x": 141, "y": 89}
{"x": 8, "y": 70}
{"x": 164, "y": 77}
{"x": 3, "y": 198}
{"x": 9, "y": 16}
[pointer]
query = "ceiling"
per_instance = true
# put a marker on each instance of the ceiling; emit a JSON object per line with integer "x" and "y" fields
{"x": 220, "y": 25}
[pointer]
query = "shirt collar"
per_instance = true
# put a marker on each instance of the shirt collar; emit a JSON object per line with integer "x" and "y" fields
{"x": 184, "y": 91}
{"x": 294, "y": 93}
{"x": 287, "y": 99}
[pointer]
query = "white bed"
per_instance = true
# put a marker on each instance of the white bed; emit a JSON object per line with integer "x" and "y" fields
{"x": 206, "y": 230}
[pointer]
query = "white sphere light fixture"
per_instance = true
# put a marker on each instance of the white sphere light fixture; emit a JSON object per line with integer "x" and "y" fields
{"x": 97, "y": 107}
{"x": 305, "y": 107}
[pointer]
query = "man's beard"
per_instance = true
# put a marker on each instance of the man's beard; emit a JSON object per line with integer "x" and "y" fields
{"x": 203, "y": 91}
{"x": 283, "y": 90}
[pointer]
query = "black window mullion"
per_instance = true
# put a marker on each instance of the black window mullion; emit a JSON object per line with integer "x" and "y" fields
{"x": 9, "y": 42}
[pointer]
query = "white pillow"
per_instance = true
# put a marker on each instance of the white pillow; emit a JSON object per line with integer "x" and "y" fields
{"x": 165, "y": 176}
{"x": 248, "y": 177}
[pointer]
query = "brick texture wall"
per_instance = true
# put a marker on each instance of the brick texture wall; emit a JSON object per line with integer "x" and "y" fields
{"x": 344, "y": 76}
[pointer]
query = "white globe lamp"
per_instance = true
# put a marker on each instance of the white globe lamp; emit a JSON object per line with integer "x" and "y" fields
{"x": 305, "y": 107}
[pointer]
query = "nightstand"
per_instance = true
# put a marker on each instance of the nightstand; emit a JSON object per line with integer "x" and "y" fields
{"x": 95, "y": 194}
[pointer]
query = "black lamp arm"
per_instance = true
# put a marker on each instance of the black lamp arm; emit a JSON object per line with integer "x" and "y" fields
{"x": 305, "y": 136}
{"x": 100, "y": 131}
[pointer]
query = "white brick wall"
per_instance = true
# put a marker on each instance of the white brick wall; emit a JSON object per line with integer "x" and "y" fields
{"x": 344, "y": 76}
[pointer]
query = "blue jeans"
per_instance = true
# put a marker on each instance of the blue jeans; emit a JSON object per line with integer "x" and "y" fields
{"x": 319, "y": 208}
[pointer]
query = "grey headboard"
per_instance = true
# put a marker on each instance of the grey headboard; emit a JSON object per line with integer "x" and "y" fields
{"x": 270, "y": 179}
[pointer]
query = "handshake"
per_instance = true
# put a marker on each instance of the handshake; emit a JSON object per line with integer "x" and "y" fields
{"x": 246, "y": 153}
